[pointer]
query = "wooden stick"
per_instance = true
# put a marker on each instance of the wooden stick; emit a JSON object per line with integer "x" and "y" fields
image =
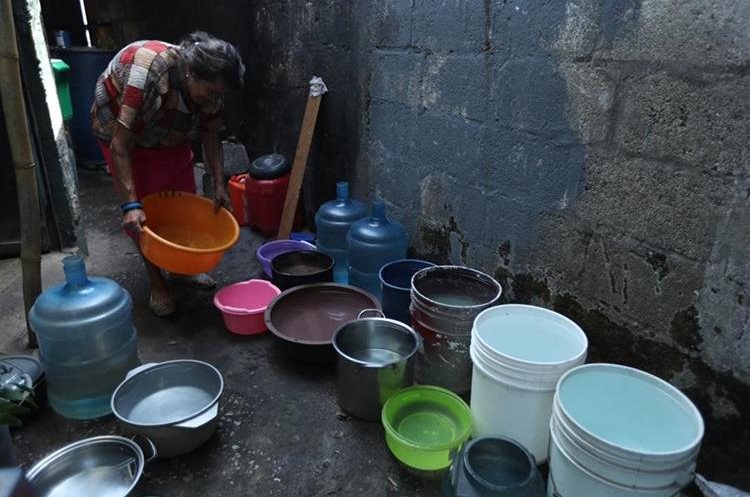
{"x": 317, "y": 89}
{"x": 11, "y": 93}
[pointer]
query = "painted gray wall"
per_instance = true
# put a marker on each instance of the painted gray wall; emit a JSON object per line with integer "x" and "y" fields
{"x": 589, "y": 153}
{"x": 592, "y": 154}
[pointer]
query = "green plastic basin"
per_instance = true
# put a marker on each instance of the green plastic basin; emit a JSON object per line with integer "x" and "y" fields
{"x": 425, "y": 426}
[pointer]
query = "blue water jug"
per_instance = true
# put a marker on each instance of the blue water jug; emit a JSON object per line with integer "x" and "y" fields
{"x": 87, "y": 341}
{"x": 374, "y": 242}
{"x": 333, "y": 220}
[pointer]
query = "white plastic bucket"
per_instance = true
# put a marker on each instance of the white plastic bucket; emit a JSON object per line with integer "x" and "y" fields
{"x": 519, "y": 352}
{"x": 620, "y": 432}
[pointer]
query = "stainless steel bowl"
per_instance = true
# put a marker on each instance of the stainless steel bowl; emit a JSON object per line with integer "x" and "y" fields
{"x": 175, "y": 404}
{"x": 107, "y": 466}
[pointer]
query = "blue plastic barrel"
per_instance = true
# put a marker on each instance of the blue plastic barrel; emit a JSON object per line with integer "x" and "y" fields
{"x": 333, "y": 221}
{"x": 87, "y": 341}
{"x": 373, "y": 242}
{"x": 86, "y": 64}
{"x": 395, "y": 283}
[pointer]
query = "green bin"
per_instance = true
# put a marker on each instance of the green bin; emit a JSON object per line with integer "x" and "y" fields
{"x": 60, "y": 68}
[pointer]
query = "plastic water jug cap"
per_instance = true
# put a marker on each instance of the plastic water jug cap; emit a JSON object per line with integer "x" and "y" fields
{"x": 75, "y": 270}
{"x": 342, "y": 190}
{"x": 378, "y": 209}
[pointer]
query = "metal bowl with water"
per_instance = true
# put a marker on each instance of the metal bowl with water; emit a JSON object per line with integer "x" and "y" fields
{"x": 174, "y": 403}
{"x": 107, "y": 466}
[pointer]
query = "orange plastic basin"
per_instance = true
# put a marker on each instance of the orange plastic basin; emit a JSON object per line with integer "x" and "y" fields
{"x": 183, "y": 234}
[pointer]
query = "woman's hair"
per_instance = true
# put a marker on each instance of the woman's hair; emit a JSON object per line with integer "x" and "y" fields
{"x": 212, "y": 59}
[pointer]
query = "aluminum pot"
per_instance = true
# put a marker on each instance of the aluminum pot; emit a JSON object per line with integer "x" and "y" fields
{"x": 175, "y": 404}
{"x": 108, "y": 466}
{"x": 375, "y": 361}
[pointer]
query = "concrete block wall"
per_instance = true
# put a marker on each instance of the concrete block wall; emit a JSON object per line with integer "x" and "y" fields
{"x": 592, "y": 154}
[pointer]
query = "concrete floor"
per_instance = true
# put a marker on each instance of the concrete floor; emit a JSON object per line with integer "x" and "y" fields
{"x": 280, "y": 434}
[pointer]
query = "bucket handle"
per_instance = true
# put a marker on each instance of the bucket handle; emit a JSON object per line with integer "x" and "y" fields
{"x": 149, "y": 444}
{"x": 365, "y": 311}
{"x": 140, "y": 368}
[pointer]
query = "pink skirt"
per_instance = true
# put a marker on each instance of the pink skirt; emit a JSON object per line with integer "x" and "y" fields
{"x": 158, "y": 169}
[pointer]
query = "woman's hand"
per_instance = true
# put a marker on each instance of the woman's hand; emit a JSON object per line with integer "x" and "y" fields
{"x": 134, "y": 220}
{"x": 221, "y": 199}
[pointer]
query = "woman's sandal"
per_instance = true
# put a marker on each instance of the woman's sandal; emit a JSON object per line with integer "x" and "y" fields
{"x": 162, "y": 307}
{"x": 203, "y": 281}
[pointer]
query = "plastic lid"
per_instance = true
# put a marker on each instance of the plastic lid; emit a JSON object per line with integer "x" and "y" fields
{"x": 269, "y": 166}
{"x": 11, "y": 375}
{"x": 26, "y": 363}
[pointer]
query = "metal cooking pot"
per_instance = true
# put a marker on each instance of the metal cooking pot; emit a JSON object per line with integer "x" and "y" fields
{"x": 174, "y": 403}
{"x": 376, "y": 360}
{"x": 107, "y": 466}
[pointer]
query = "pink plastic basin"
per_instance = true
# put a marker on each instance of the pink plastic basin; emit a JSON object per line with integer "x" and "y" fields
{"x": 243, "y": 305}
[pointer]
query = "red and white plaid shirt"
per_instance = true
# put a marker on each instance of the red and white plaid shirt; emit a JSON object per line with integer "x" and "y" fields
{"x": 142, "y": 90}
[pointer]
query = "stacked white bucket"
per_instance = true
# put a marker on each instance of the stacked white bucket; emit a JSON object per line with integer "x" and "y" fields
{"x": 615, "y": 431}
{"x": 620, "y": 432}
{"x": 519, "y": 353}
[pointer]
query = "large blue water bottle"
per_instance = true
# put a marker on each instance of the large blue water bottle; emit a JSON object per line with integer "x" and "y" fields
{"x": 373, "y": 242}
{"x": 87, "y": 341}
{"x": 332, "y": 222}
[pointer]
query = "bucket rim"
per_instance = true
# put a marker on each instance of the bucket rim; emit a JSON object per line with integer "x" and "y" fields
{"x": 463, "y": 269}
{"x": 402, "y": 261}
{"x": 262, "y": 251}
{"x": 684, "y": 402}
{"x": 244, "y": 311}
{"x": 455, "y": 442}
{"x": 543, "y": 310}
{"x": 531, "y": 382}
{"x": 506, "y": 440}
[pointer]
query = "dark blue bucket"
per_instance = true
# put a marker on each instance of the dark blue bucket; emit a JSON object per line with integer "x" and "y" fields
{"x": 395, "y": 281}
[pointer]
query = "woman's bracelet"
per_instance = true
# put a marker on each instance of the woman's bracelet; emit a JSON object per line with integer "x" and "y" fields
{"x": 131, "y": 206}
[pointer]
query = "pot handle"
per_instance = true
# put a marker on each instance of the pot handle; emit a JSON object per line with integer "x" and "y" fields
{"x": 149, "y": 444}
{"x": 201, "y": 419}
{"x": 140, "y": 368}
{"x": 377, "y": 311}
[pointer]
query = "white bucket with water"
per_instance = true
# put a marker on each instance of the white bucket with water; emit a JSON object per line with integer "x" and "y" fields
{"x": 519, "y": 352}
{"x": 620, "y": 432}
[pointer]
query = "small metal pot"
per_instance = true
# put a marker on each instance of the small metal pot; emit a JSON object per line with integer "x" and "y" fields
{"x": 98, "y": 466}
{"x": 174, "y": 403}
{"x": 375, "y": 360}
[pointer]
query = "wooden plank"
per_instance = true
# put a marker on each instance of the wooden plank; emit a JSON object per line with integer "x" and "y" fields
{"x": 300, "y": 160}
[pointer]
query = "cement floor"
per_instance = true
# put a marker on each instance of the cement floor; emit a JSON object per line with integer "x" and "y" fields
{"x": 280, "y": 432}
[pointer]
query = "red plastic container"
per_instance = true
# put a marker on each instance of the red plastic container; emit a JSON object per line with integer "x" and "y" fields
{"x": 238, "y": 198}
{"x": 265, "y": 203}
